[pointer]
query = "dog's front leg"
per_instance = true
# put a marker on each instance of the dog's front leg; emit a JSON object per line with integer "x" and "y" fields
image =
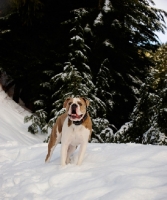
{"x": 53, "y": 141}
{"x": 81, "y": 153}
{"x": 64, "y": 148}
{"x": 70, "y": 151}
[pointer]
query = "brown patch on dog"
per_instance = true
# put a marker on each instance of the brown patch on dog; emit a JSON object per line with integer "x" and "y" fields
{"x": 60, "y": 121}
{"x": 53, "y": 137}
{"x": 66, "y": 103}
{"x": 69, "y": 122}
{"x": 88, "y": 124}
{"x": 84, "y": 103}
{"x": 52, "y": 141}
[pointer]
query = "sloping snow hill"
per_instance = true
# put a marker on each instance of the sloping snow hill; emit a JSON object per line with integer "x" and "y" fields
{"x": 12, "y": 127}
{"x": 109, "y": 171}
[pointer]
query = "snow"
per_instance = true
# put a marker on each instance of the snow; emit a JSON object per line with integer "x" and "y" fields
{"x": 77, "y": 38}
{"x": 107, "y": 6}
{"x": 98, "y": 20}
{"x": 109, "y": 171}
{"x": 107, "y": 43}
{"x": 12, "y": 127}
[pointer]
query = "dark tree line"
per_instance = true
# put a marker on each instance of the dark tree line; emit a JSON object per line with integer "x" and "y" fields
{"x": 52, "y": 49}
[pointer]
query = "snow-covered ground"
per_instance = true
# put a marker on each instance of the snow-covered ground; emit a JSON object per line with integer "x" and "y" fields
{"x": 109, "y": 171}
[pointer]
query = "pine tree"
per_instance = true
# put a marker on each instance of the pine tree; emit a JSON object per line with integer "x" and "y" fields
{"x": 76, "y": 78}
{"x": 159, "y": 84}
{"x": 29, "y": 46}
{"x": 102, "y": 131}
{"x": 110, "y": 38}
{"x": 124, "y": 31}
{"x": 149, "y": 118}
{"x": 104, "y": 83}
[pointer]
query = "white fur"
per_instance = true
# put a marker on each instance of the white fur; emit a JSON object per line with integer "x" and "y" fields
{"x": 72, "y": 136}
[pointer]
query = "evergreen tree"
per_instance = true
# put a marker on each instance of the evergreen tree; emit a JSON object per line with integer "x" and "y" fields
{"x": 102, "y": 131}
{"x": 76, "y": 78}
{"x": 106, "y": 39}
{"x": 123, "y": 32}
{"x": 29, "y": 46}
{"x": 149, "y": 118}
{"x": 104, "y": 84}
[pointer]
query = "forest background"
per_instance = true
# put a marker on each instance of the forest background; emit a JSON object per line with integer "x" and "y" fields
{"x": 104, "y": 50}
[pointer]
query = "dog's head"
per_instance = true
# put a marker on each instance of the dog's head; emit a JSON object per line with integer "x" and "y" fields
{"x": 76, "y": 108}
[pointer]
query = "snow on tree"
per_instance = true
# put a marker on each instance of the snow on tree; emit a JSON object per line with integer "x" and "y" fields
{"x": 75, "y": 79}
{"x": 149, "y": 117}
{"x": 124, "y": 31}
{"x": 102, "y": 131}
{"x": 104, "y": 82}
{"x": 109, "y": 40}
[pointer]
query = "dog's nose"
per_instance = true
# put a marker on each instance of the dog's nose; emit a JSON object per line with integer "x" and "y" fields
{"x": 73, "y": 107}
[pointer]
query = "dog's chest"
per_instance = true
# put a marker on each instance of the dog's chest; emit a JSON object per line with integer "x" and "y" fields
{"x": 74, "y": 135}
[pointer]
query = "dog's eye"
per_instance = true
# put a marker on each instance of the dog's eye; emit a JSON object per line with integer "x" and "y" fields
{"x": 80, "y": 103}
{"x": 69, "y": 103}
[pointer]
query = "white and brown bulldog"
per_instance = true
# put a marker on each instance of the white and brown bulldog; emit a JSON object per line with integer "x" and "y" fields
{"x": 72, "y": 128}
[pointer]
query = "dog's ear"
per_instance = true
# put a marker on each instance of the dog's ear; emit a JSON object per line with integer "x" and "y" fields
{"x": 65, "y": 102}
{"x": 86, "y": 101}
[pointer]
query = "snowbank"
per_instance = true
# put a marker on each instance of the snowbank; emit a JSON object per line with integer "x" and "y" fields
{"x": 12, "y": 126}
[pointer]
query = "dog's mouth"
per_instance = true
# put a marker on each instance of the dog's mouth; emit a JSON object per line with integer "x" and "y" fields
{"x": 75, "y": 116}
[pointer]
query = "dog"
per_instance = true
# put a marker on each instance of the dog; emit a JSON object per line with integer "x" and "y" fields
{"x": 73, "y": 128}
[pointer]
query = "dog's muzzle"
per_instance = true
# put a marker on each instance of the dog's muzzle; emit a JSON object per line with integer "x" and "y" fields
{"x": 74, "y": 115}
